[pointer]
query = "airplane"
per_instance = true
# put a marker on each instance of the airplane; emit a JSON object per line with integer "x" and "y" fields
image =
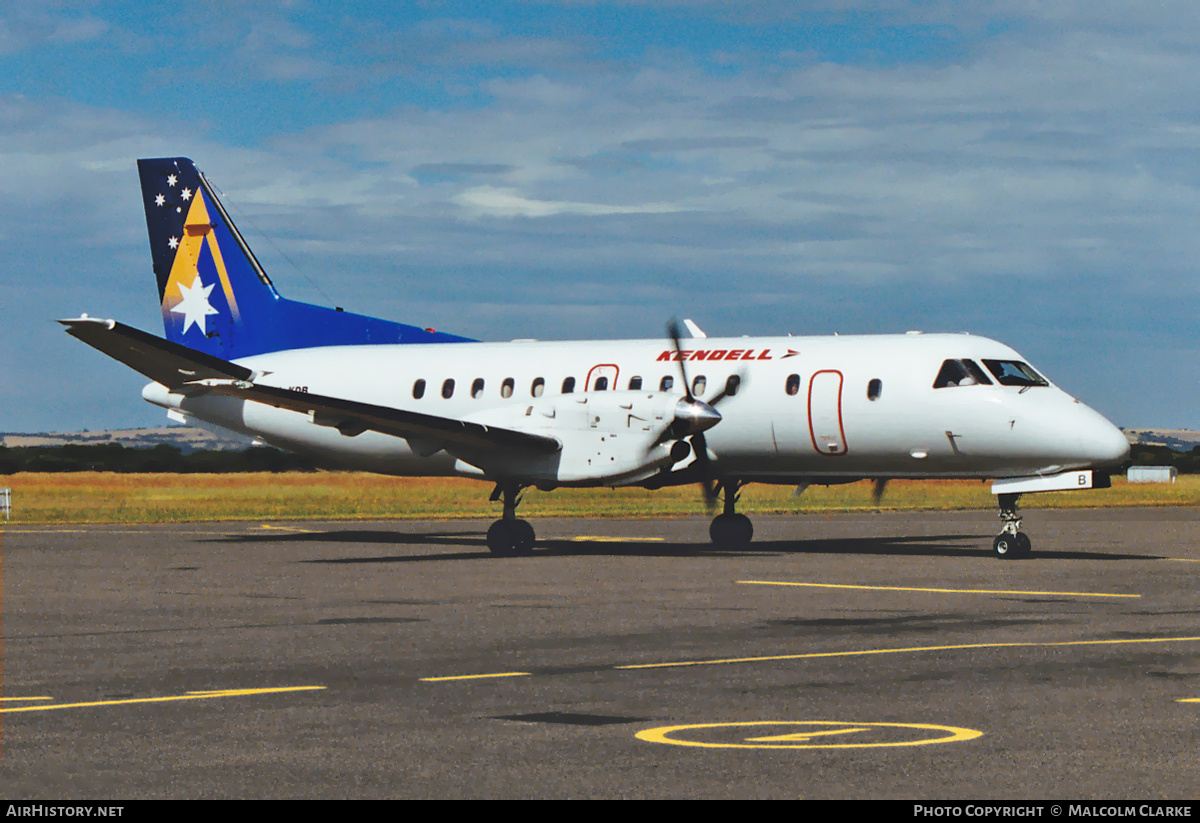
{"x": 370, "y": 394}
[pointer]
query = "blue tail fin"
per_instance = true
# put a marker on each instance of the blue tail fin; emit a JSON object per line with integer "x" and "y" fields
{"x": 215, "y": 296}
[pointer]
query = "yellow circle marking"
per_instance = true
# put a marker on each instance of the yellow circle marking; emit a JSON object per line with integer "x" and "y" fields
{"x": 813, "y": 737}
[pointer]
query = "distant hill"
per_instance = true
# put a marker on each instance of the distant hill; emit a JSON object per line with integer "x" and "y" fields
{"x": 1181, "y": 440}
{"x": 185, "y": 438}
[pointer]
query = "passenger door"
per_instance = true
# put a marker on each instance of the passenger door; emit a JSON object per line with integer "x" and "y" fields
{"x": 825, "y": 413}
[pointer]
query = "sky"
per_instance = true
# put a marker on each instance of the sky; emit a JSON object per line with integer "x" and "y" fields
{"x": 576, "y": 169}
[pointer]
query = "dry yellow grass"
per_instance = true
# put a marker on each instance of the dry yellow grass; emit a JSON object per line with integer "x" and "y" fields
{"x": 101, "y": 497}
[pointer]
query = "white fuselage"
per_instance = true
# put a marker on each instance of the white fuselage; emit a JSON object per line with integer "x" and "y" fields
{"x": 806, "y": 408}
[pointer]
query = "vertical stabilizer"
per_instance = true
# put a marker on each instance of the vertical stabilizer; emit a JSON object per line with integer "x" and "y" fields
{"x": 215, "y": 296}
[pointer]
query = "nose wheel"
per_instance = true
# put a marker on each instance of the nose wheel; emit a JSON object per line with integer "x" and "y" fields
{"x": 1008, "y": 546}
{"x": 1011, "y": 542}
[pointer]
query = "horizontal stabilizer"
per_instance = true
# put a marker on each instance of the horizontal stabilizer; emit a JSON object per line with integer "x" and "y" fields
{"x": 162, "y": 361}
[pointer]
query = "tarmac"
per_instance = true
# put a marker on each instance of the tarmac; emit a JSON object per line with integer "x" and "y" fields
{"x": 881, "y": 655}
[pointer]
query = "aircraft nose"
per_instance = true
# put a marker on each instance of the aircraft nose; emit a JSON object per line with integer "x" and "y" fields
{"x": 1115, "y": 448}
{"x": 1102, "y": 442}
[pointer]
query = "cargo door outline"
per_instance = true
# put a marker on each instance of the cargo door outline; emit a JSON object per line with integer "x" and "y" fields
{"x": 825, "y": 413}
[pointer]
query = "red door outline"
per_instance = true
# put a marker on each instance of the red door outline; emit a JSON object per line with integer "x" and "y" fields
{"x": 610, "y": 371}
{"x": 825, "y": 410}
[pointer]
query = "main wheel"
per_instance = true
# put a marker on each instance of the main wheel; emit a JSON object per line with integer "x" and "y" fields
{"x": 510, "y": 538}
{"x": 1024, "y": 544}
{"x": 525, "y": 536}
{"x": 731, "y": 531}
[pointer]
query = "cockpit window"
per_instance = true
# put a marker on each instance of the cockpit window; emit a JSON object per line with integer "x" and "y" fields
{"x": 1015, "y": 373}
{"x": 961, "y": 373}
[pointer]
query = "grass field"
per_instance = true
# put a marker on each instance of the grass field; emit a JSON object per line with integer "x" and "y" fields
{"x": 101, "y": 497}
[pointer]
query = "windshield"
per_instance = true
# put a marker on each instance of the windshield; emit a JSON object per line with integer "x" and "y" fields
{"x": 960, "y": 373}
{"x": 1015, "y": 373}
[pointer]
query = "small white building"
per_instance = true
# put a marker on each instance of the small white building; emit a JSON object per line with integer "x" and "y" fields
{"x": 1151, "y": 474}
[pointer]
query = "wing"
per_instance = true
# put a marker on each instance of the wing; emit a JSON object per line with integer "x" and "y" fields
{"x": 182, "y": 369}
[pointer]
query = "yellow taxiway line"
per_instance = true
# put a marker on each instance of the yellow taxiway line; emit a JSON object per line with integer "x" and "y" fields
{"x": 865, "y": 652}
{"x": 859, "y": 653}
{"x": 938, "y": 591}
{"x": 474, "y": 676}
{"x": 204, "y": 695}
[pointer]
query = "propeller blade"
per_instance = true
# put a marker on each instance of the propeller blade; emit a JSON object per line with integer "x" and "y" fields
{"x": 877, "y": 492}
{"x": 694, "y": 417}
{"x": 708, "y": 479}
{"x": 730, "y": 388}
{"x": 674, "y": 333}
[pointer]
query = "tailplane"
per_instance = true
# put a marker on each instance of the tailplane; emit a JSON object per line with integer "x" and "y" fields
{"x": 215, "y": 296}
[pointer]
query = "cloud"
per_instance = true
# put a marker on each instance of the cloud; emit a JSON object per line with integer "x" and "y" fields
{"x": 775, "y": 166}
{"x": 504, "y": 202}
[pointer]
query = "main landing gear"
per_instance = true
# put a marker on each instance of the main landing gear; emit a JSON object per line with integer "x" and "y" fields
{"x": 730, "y": 530}
{"x": 509, "y": 536}
{"x": 1011, "y": 542}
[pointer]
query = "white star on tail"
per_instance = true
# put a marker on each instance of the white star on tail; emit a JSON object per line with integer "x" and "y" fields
{"x": 194, "y": 306}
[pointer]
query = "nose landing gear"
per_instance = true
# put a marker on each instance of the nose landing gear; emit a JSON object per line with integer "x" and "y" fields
{"x": 1011, "y": 542}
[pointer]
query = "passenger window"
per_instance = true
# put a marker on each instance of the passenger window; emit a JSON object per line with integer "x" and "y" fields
{"x": 539, "y": 386}
{"x": 793, "y": 384}
{"x": 601, "y": 384}
{"x": 732, "y": 385}
{"x": 506, "y": 388}
{"x": 418, "y": 390}
{"x": 699, "y": 385}
{"x": 635, "y": 383}
{"x": 874, "y": 389}
{"x": 477, "y": 388}
{"x": 667, "y": 383}
{"x": 568, "y": 385}
{"x": 448, "y": 389}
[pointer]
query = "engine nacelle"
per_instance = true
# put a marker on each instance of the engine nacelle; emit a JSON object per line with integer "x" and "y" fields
{"x": 616, "y": 437}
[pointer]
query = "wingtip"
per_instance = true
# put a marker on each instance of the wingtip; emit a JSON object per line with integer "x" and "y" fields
{"x": 84, "y": 319}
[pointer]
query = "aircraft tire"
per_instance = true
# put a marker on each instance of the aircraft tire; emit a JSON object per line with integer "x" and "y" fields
{"x": 731, "y": 531}
{"x": 510, "y": 538}
{"x": 1007, "y": 547}
{"x": 526, "y": 536}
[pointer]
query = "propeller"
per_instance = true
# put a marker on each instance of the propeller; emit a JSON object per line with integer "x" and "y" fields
{"x": 877, "y": 491}
{"x": 694, "y": 417}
